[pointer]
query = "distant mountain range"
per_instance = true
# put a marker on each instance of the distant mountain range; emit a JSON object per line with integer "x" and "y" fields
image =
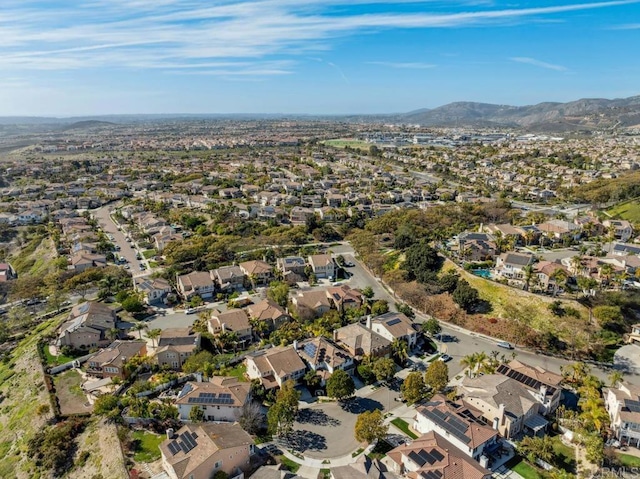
{"x": 585, "y": 114}
{"x": 582, "y": 115}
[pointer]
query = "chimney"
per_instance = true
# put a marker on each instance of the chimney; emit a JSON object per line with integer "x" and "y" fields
{"x": 496, "y": 423}
{"x": 484, "y": 461}
{"x": 224, "y": 327}
{"x": 335, "y": 335}
{"x": 543, "y": 390}
{"x": 198, "y": 377}
{"x": 368, "y": 321}
{"x": 170, "y": 433}
{"x": 295, "y": 344}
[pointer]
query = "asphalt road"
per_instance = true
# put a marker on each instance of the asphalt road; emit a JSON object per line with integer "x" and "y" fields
{"x": 127, "y": 250}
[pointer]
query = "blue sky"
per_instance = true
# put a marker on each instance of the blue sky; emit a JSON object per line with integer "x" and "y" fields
{"x": 74, "y": 57}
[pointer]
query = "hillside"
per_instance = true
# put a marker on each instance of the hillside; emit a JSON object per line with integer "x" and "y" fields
{"x": 584, "y": 114}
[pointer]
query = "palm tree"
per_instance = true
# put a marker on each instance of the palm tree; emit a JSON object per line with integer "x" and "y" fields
{"x": 139, "y": 326}
{"x": 615, "y": 378}
{"x": 113, "y": 333}
{"x": 470, "y": 361}
{"x": 108, "y": 283}
{"x": 528, "y": 274}
{"x": 576, "y": 264}
{"x": 606, "y": 270}
{"x": 400, "y": 350}
{"x": 558, "y": 276}
{"x": 153, "y": 335}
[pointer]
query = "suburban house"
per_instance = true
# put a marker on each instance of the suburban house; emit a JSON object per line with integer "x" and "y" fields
{"x": 270, "y": 312}
{"x": 560, "y": 230}
{"x": 258, "y": 272}
{"x": 394, "y": 326}
{"x": 361, "y": 341}
{"x": 198, "y": 451}
{"x": 154, "y": 289}
{"x": 543, "y": 385}
{"x": 196, "y": 283}
{"x": 324, "y": 356}
{"x": 90, "y": 325}
{"x": 233, "y": 320}
{"x": 474, "y": 246}
{"x": 110, "y": 362}
{"x": 620, "y": 249}
{"x": 175, "y": 345}
{"x": 220, "y": 398}
{"x": 275, "y": 366}
{"x": 504, "y": 402}
{"x": 81, "y": 261}
{"x": 343, "y": 297}
{"x": 433, "y": 457}
{"x": 459, "y": 424}
{"x": 228, "y": 278}
{"x": 623, "y": 405}
{"x": 544, "y": 272}
{"x": 512, "y": 265}
{"x": 292, "y": 268}
{"x": 323, "y": 266}
{"x": 621, "y": 229}
{"x": 363, "y": 468}
{"x": 311, "y": 304}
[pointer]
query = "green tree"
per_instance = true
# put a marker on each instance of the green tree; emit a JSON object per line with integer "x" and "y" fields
{"x": 437, "y": 375}
{"x": 465, "y": 295}
{"x": 431, "y": 327}
{"x": 384, "y": 369}
{"x": 379, "y": 307}
{"x": 449, "y": 280}
{"x": 370, "y": 426}
{"x": 278, "y": 292}
{"x": 139, "y": 326}
{"x": 400, "y": 350}
{"x": 422, "y": 262}
{"x": 413, "y": 388}
{"x": 367, "y": 292}
{"x": 153, "y": 335}
{"x": 340, "y": 385}
{"x": 282, "y": 414}
{"x": 312, "y": 379}
{"x": 366, "y": 373}
{"x": 608, "y": 315}
{"x": 594, "y": 449}
{"x": 108, "y": 406}
{"x": 196, "y": 414}
{"x": 133, "y": 304}
{"x": 536, "y": 447}
{"x": 196, "y": 362}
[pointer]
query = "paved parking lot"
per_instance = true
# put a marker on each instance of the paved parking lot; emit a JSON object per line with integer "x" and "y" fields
{"x": 327, "y": 430}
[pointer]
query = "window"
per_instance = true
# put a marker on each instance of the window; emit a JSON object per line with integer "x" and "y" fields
{"x": 218, "y": 465}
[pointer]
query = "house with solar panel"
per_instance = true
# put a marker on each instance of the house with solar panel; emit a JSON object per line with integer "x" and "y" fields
{"x": 544, "y": 385}
{"x": 431, "y": 456}
{"x": 198, "y": 451}
{"x": 394, "y": 326}
{"x": 220, "y": 398}
{"x": 623, "y": 405}
{"x": 459, "y": 424}
{"x": 88, "y": 326}
{"x": 324, "y": 356}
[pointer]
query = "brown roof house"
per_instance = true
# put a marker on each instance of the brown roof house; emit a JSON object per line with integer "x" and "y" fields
{"x": 220, "y": 398}
{"x": 432, "y": 456}
{"x": 323, "y": 266}
{"x": 460, "y": 424}
{"x": 175, "y": 345}
{"x": 110, "y": 362}
{"x": 228, "y": 278}
{"x": 275, "y": 366}
{"x": 323, "y": 355}
{"x": 196, "y": 283}
{"x": 234, "y": 320}
{"x": 89, "y": 325}
{"x": 198, "y": 451}
{"x": 394, "y": 326}
{"x": 154, "y": 289}
{"x": 361, "y": 341}
{"x": 270, "y": 312}
{"x": 258, "y": 272}
{"x": 343, "y": 297}
{"x": 311, "y": 304}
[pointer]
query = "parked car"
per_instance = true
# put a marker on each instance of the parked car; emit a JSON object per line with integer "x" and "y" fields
{"x": 445, "y": 358}
{"x": 505, "y": 345}
{"x": 190, "y": 311}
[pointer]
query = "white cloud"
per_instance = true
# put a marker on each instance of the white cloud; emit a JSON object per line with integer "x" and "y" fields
{"x": 539, "y": 63}
{"x": 195, "y": 33}
{"x": 407, "y": 65}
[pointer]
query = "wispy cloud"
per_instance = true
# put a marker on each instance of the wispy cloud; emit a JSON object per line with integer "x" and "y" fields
{"x": 627, "y": 26}
{"x": 539, "y": 63}
{"x": 164, "y": 34}
{"x": 407, "y": 65}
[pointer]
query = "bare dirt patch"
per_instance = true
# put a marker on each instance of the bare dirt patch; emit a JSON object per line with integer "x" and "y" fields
{"x": 71, "y": 397}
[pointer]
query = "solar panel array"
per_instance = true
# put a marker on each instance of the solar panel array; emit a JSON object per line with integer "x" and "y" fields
{"x": 393, "y": 322}
{"x": 431, "y": 475}
{"x": 211, "y": 398}
{"x": 449, "y": 423}
{"x": 633, "y": 406}
{"x": 426, "y": 457}
{"x": 310, "y": 349}
{"x": 523, "y": 378}
{"x": 185, "y": 442}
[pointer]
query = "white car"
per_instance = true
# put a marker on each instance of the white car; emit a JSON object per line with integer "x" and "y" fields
{"x": 190, "y": 311}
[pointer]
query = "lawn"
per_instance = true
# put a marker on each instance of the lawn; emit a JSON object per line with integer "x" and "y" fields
{"x": 565, "y": 455}
{"x": 629, "y": 210}
{"x": 146, "y": 446}
{"x": 55, "y": 360}
{"x": 628, "y": 460}
{"x": 150, "y": 253}
{"x": 238, "y": 372}
{"x": 523, "y": 468}
{"x": 289, "y": 464}
{"x": 404, "y": 427}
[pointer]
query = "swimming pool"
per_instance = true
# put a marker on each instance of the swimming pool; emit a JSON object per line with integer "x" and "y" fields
{"x": 483, "y": 273}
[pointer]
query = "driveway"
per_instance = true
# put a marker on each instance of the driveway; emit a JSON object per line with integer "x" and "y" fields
{"x": 127, "y": 251}
{"x": 327, "y": 430}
